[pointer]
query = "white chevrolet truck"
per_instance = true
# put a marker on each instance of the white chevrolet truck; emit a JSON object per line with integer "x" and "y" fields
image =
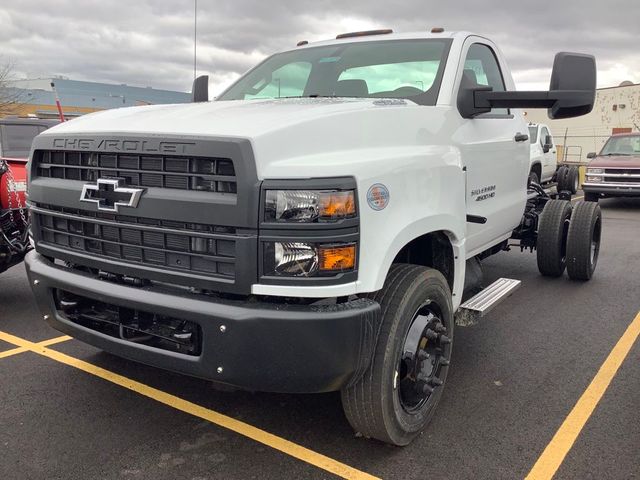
{"x": 313, "y": 229}
{"x": 544, "y": 167}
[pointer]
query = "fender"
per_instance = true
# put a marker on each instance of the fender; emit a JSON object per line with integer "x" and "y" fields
{"x": 447, "y": 224}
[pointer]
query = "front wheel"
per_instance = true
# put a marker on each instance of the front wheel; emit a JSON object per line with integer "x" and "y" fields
{"x": 398, "y": 394}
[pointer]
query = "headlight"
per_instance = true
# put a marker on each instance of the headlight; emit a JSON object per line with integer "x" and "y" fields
{"x": 595, "y": 171}
{"x": 298, "y": 259}
{"x": 594, "y": 179}
{"x": 309, "y": 206}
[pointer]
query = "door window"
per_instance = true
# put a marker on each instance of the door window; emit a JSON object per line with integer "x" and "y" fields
{"x": 543, "y": 136}
{"x": 481, "y": 64}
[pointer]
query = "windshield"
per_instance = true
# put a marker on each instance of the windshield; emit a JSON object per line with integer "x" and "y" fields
{"x": 627, "y": 145}
{"x": 383, "y": 69}
{"x": 533, "y": 134}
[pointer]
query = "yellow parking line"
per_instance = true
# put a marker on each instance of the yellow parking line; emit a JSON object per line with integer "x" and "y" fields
{"x": 13, "y": 351}
{"x": 577, "y": 198}
{"x": 555, "y": 452}
{"x": 51, "y": 341}
{"x": 249, "y": 431}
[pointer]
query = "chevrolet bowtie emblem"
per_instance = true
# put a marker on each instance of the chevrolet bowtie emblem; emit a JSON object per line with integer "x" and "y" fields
{"x": 109, "y": 194}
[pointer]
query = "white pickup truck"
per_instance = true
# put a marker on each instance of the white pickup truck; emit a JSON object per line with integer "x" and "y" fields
{"x": 544, "y": 167}
{"x": 316, "y": 227}
{"x": 544, "y": 161}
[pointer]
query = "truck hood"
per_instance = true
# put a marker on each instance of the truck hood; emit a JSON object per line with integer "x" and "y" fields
{"x": 291, "y": 138}
{"x": 246, "y": 119}
{"x": 613, "y": 161}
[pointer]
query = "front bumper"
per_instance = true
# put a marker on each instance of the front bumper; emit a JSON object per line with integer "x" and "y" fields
{"x": 613, "y": 189}
{"x": 264, "y": 346}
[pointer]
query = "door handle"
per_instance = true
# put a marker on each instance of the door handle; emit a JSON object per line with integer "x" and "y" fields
{"x": 521, "y": 137}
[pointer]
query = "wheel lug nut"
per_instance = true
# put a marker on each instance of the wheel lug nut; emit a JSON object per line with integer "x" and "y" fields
{"x": 422, "y": 355}
{"x": 436, "y": 382}
{"x": 444, "y": 340}
{"x": 440, "y": 328}
{"x": 444, "y": 362}
{"x": 430, "y": 334}
{"x": 428, "y": 389}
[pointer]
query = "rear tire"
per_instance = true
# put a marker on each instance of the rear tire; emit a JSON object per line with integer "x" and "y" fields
{"x": 561, "y": 172}
{"x": 572, "y": 180}
{"x": 552, "y": 236}
{"x": 583, "y": 240}
{"x": 398, "y": 394}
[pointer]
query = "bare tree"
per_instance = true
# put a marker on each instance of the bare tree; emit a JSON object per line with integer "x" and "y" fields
{"x": 9, "y": 96}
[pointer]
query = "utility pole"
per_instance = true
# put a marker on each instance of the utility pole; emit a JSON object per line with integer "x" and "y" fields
{"x": 195, "y": 36}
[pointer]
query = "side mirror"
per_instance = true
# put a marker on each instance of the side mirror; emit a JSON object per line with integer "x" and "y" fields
{"x": 200, "y": 89}
{"x": 548, "y": 143}
{"x": 545, "y": 148}
{"x": 572, "y": 91}
{"x": 591, "y": 155}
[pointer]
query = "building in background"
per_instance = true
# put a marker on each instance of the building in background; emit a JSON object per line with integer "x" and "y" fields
{"x": 617, "y": 110}
{"x": 36, "y": 97}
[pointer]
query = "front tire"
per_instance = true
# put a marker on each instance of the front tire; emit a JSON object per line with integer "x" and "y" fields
{"x": 398, "y": 394}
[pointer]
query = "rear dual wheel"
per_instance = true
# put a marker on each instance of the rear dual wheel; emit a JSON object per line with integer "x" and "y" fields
{"x": 568, "y": 179}
{"x": 583, "y": 240}
{"x": 569, "y": 238}
{"x": 551, "y": 245}
{"x": 397, "y": 395}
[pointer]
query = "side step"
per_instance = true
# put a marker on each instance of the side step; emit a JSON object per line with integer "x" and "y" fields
{"x": 479, "y": 305}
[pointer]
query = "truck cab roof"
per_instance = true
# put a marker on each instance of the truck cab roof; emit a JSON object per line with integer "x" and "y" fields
{"x": 373, "y": 37}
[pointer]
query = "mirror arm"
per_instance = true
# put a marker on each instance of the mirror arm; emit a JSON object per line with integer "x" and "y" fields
{"x": 530, "y": 99}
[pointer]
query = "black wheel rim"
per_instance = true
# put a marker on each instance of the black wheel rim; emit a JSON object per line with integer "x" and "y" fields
{"x": 426, "y": 353}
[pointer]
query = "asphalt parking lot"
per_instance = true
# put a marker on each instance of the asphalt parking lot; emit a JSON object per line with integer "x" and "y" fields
{"x": 70, "y": 411}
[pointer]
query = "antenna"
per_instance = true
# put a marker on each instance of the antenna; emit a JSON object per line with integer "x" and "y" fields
{"x": 195, "y": 37}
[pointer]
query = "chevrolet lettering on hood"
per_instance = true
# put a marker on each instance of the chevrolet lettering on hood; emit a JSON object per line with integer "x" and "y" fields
{"x": 119, "y": 145}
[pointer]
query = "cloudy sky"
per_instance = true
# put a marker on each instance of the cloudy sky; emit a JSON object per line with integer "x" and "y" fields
{"x": 150, "y": 42}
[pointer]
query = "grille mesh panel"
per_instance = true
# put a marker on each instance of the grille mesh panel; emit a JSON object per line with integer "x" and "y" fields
{"x": 154, "y": 171}
{"x": 178, "y": 246}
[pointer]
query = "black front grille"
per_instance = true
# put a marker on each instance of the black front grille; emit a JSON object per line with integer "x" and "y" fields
{"x": 151, "y": 329}
{"x": 622, "y": 175}
{"x": 179, "y": 246}
{"x": 140, "y": 170}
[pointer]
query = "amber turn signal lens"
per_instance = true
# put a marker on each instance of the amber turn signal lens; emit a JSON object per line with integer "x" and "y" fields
{"x": 340, "y": 258}
{"x": 337, "y": 204}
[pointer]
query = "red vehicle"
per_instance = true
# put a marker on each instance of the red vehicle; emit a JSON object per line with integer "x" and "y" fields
{"x": 16, "y": 135}
{"x": 615, "y": 171}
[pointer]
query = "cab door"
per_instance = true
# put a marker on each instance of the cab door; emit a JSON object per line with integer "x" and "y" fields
{"x": 495, "y": 153}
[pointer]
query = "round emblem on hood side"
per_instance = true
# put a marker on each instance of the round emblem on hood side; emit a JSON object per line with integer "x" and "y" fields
{"x": 378, "y": 196}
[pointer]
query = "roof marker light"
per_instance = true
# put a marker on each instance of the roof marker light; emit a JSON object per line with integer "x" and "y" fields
{"x": 364, "y": 33}
{"x": 437, "y": 30}
{"x": 301, "y": 43}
